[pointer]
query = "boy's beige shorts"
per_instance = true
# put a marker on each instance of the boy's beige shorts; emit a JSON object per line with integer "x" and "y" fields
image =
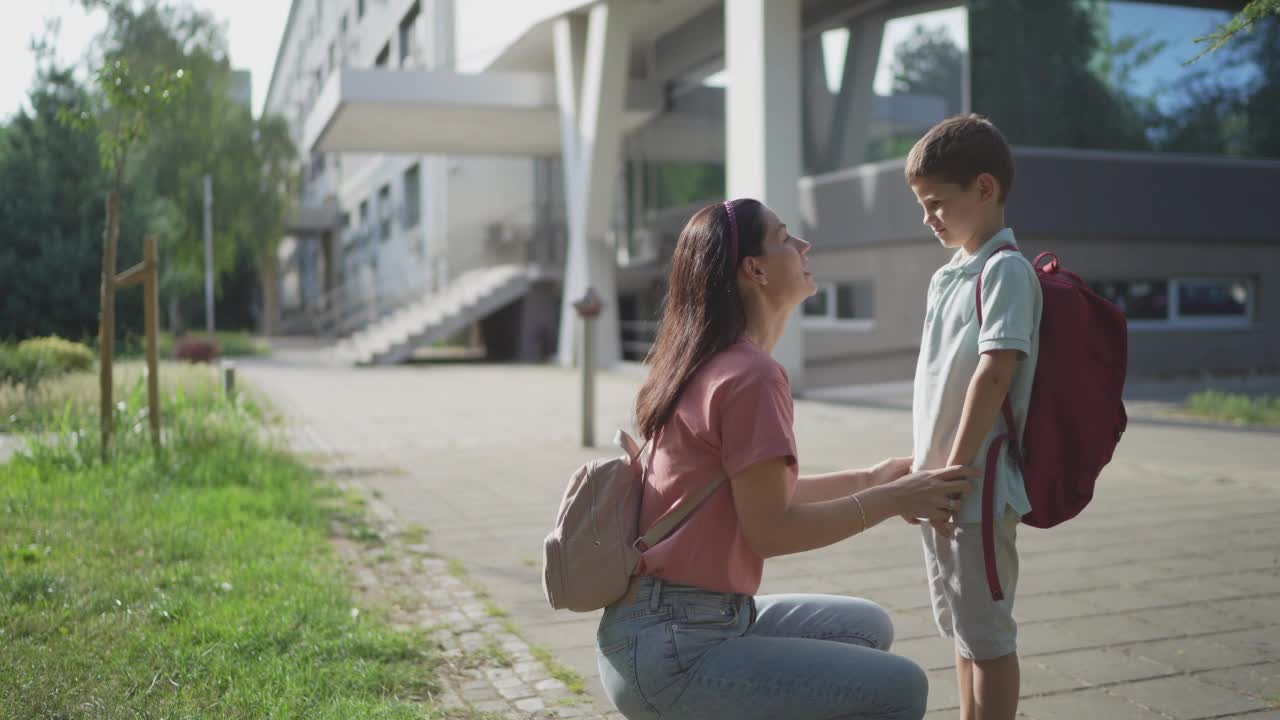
{"x": 983, "y": 629}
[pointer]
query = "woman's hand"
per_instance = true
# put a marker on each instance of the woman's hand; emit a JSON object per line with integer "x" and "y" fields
{"x": 888, "y": 470}
{"x": 933, "y": 495}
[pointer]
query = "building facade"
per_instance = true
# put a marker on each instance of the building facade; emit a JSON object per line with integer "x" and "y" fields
{"x": 570, "y": 140}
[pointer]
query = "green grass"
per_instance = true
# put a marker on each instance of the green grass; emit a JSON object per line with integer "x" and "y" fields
{"x": 415, "y": 534}
{"x": 1236, "y": 408}
{"x": 489, "y": 655}
{"x": 23, "y": 410}
{"x": 571, "y": 679}
{"x": 194, "y": 582}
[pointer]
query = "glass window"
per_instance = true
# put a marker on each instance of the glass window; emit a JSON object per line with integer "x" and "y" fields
{"x": 853, "y": 302}
{"x": 1138, "y": 299}
{"x": 364, "y": 214}
{"x": 660, "y": 185}
{"x": 841, "y": 302}
{"x": 1196, "y": 302}
{"x": 817, "y": 305}
{"x": 384, "y": 213}
{"x": 412, "y": 196}
{"x": 407, "y": 43}
{"x": 875, "y": 85}
{"x": 1213, "y": 298}
{"x": 359, "y": 9}
{"x": 1114, "y": 75}
{"x": 384, "y": 56}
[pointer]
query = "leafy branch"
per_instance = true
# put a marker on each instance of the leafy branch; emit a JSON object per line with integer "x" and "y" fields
{"x": 1244, "y": 21}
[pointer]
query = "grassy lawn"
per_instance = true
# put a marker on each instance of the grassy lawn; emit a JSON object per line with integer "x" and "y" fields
{"x": 197, "y": 582}
{"x": 1236, "y": 408}
{"x": 77, "y": 393}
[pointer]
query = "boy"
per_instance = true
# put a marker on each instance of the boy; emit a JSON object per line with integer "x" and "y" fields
{"x": 961, "y": 172}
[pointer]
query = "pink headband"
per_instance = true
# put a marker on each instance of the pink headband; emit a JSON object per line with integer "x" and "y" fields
{"x": 733, "y": 231}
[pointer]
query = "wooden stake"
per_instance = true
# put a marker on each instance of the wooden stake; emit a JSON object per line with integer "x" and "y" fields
{"x": 107, "y": 326}
{"x": 151, "y": 312}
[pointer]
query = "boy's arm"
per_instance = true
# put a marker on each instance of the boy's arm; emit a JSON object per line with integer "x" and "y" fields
{"x": 987, "y": 391}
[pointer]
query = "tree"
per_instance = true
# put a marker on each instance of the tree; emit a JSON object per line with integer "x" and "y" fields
{"x": 125, "y": 105}
{"x": 52, "y": 183}
{"x": 251, "y": 161}
{"x": 51, "y": 217}
{"x": 1257, "y": 11}
{"x": 930, "y": 63}
{"x": 1039, "y": 73}
{"x": 1263, "y": 106}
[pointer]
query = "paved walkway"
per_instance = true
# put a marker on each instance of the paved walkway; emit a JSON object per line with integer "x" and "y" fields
{"x": 1161, "y": 601}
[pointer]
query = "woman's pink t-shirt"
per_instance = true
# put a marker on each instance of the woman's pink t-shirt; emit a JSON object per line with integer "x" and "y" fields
{"x": 735, "y": 412}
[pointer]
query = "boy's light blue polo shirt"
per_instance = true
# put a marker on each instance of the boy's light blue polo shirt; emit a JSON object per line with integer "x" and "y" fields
{"x": 949, "y": 351}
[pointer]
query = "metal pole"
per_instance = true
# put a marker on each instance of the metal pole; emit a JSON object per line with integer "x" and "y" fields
{"x": 229, "y": 379}
{"x": 588, "y": 382}
{"x": 208, "y": 255}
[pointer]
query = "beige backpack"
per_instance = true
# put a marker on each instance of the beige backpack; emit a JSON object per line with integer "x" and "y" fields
{"x": 592, "y": 552}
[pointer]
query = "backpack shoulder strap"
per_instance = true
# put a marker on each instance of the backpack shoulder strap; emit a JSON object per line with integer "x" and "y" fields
{"x": 666, "y": 525}
{"x": 997, "y": 251}
{"x": 1013, "y": 442}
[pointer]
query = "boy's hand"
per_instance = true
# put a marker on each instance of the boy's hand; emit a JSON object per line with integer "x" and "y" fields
{"x": 890, "y": 469}
{"x": 945, "y": 529}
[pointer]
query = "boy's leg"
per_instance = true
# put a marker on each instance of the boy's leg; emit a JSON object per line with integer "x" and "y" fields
{"x": 996, "y": 685}
{"x": 985, "y": 633}
{"x": 939, "y": 563}
{"x": 964, "y": 681}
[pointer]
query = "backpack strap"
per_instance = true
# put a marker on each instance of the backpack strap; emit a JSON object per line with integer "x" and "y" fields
{"x": 1006, "y": 408}
{"x": 997, "y": 251}
{"x": 666, "y": 525}
{"x": 1011, "y": 438}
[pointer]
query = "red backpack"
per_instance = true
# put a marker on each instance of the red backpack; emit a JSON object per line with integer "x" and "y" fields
{"x": 1076, "y": 415}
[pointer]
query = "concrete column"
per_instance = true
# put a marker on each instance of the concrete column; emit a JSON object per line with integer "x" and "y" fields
{"x": 762, "y": 124}
{"x": 591, "y": 53}
{"x": 851, "y": 127}
{"x": 435, "y": 168}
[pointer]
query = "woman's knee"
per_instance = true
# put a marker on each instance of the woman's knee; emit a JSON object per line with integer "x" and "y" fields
{"x": 872, "y": 624}
{"x": 901, "y": 692}
{"x": 911, "y": 690}
{"x": 882, "y": 625}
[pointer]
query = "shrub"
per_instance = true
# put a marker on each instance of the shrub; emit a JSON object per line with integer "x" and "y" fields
{"x": 60, "y": 355}
{"x": 196, "y": 350}
{"x": 30, "y": 362}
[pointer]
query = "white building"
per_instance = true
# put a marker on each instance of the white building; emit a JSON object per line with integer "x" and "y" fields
{"x": 481, "y": 162}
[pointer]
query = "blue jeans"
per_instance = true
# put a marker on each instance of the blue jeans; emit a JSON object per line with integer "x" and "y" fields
{"x": 683, "y": 652}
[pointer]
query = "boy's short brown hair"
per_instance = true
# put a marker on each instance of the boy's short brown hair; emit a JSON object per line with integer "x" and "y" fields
{"x": 959, "y": 149}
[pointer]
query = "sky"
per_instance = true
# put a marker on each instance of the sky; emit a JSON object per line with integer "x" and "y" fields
{"x": 253, "y": 30}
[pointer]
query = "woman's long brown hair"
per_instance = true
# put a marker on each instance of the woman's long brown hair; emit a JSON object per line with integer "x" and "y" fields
{"x": 703, "y": 311}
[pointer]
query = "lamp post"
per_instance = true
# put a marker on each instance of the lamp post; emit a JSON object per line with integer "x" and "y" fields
{"x": 588, "y": 308}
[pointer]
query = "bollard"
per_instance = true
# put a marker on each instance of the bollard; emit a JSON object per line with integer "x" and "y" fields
{"x": 588, "y": 309}
{"x": 229, "y": 379}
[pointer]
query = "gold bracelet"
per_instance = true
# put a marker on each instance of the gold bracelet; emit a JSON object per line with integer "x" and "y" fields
{"x": 861, "y": 512}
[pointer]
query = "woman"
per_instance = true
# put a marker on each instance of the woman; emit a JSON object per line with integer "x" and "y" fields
{"x": 689, "y": 640}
